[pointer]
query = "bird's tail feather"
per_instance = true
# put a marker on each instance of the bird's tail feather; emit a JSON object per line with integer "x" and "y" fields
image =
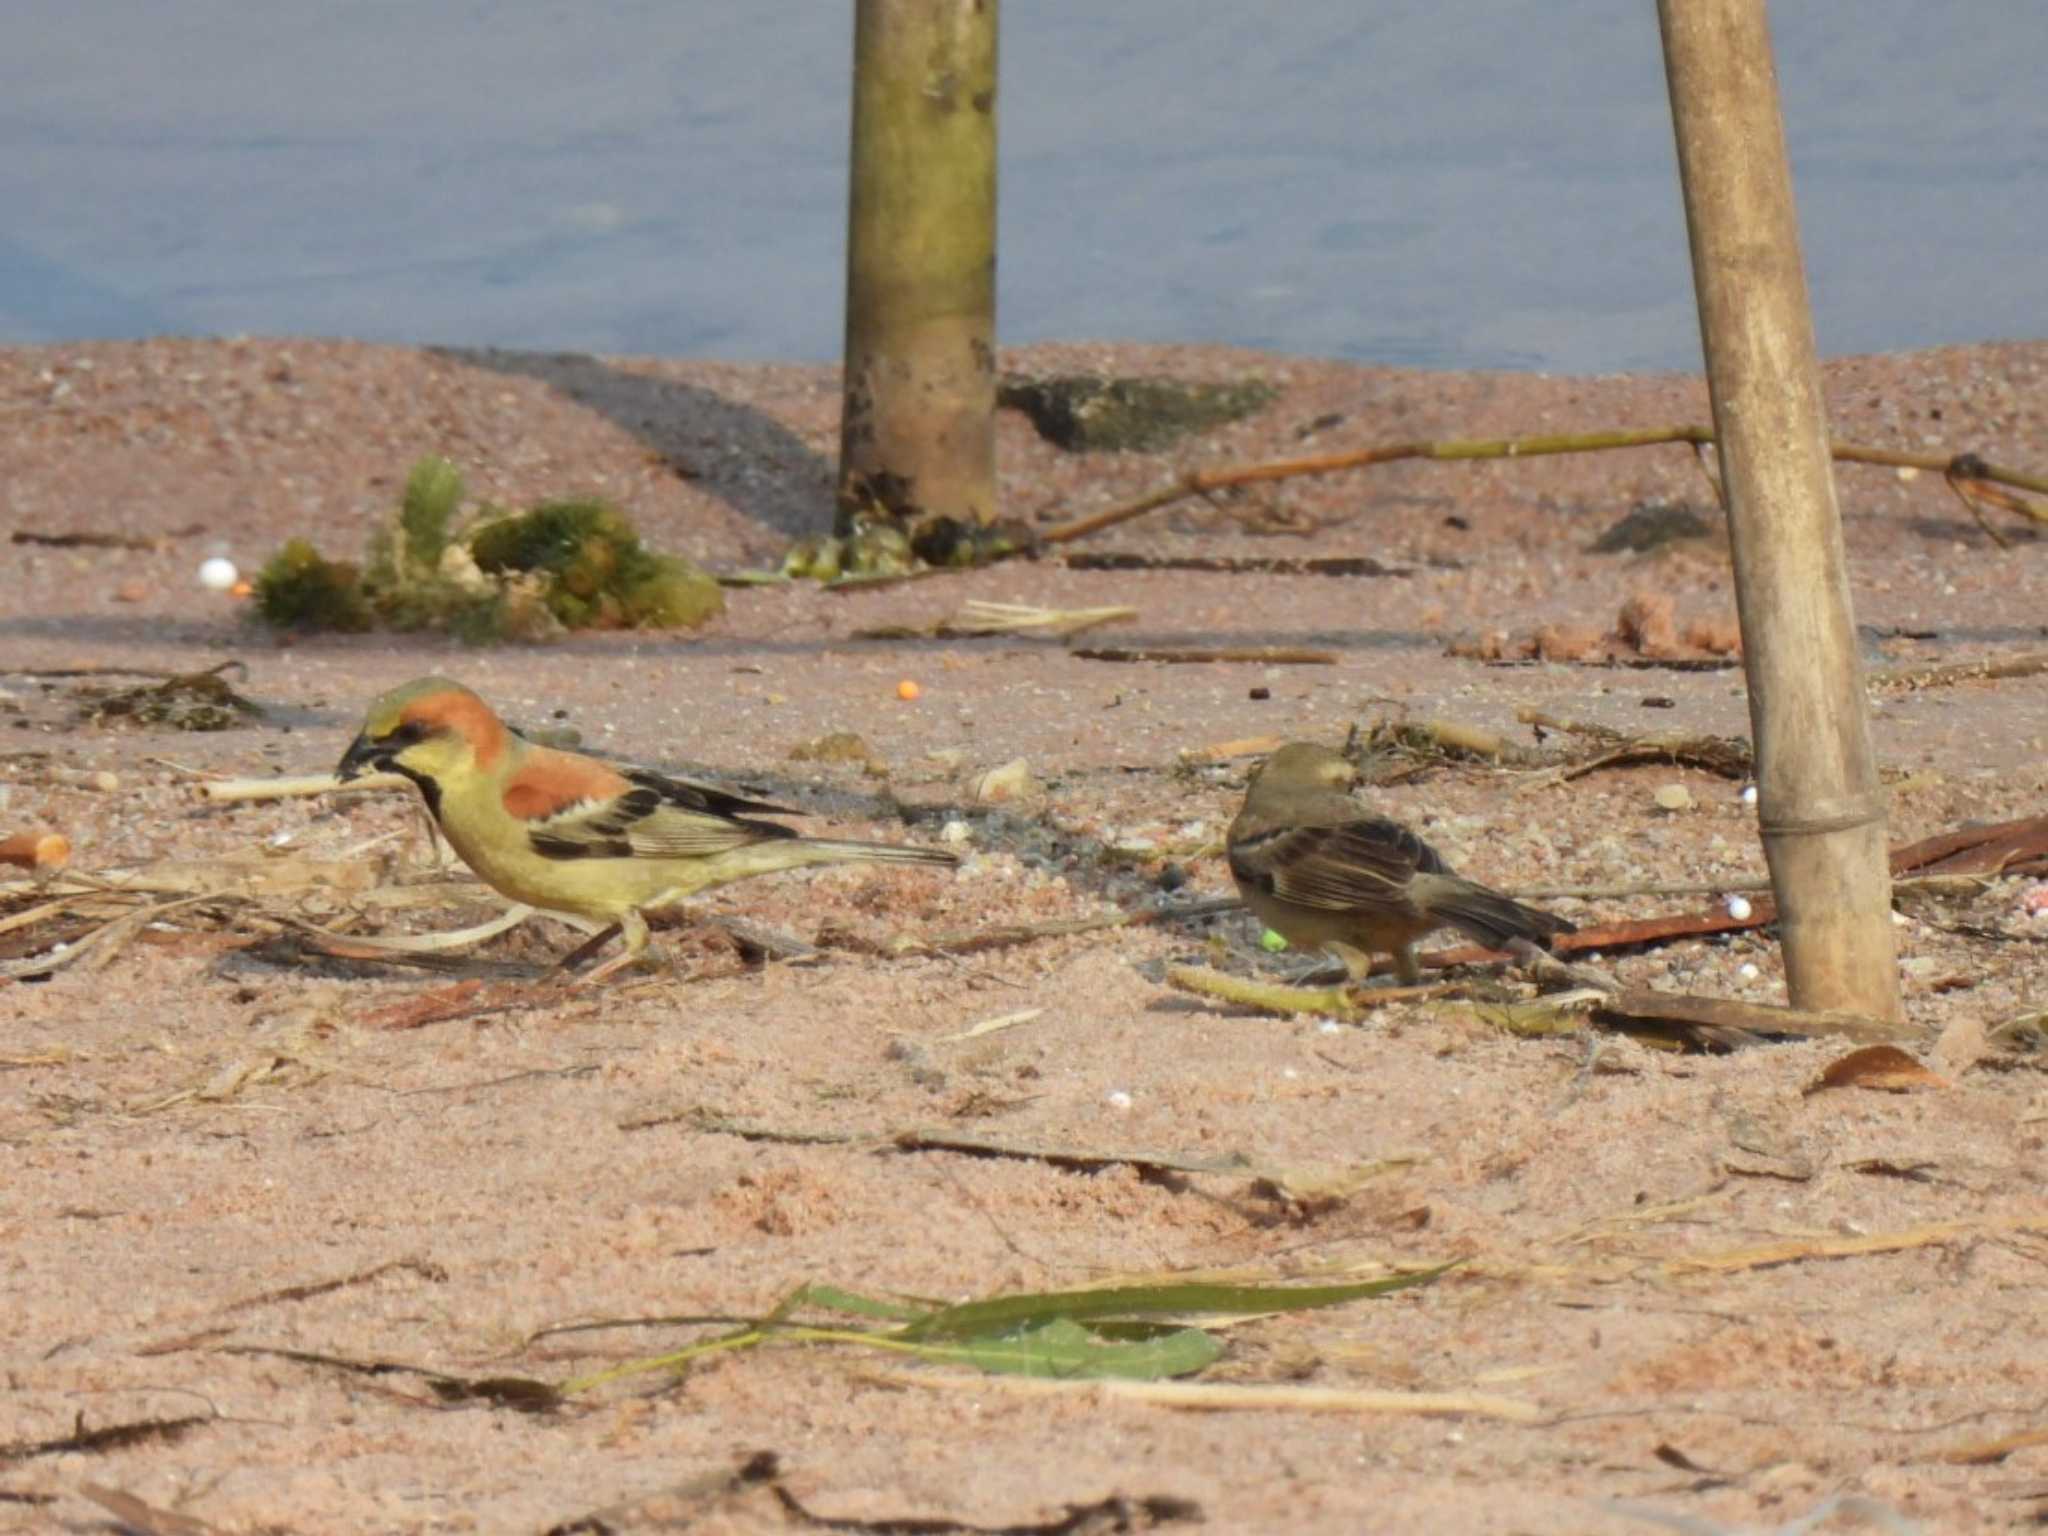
{"x": 835, "y": 850}
{"x": 1492, "y": 918}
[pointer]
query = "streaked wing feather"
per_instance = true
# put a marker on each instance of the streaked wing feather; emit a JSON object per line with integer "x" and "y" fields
{"x": 692, "y": 796}
{"x": 661, "y": 819}
{"x": 1363, "y": 863}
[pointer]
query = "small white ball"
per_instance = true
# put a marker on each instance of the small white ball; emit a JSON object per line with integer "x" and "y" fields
{"x": 1749, "y": 972}
{"x": 1749, "y": 794}
{"x": 218, "y": 574}
{"x": 1739, "y": 908}
{"x": 1117, "y": 1099}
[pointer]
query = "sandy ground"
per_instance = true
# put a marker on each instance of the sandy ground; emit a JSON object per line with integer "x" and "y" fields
{"x": 212, "y": 1150}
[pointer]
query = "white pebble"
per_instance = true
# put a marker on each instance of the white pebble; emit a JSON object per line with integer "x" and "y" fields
{"x": 1329, "y": 1027}
{"x": 1673, "y": 797}
{"x": 955, "y": 832}
{"x": 1117, "y": 1099}
{"x": 1749, "y": 972}
{"x": 1749, "y": 794}
{"x": 218, "y": 574}
{"x": 1739, "y": 908}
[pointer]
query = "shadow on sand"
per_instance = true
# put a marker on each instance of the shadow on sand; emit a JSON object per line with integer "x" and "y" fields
{"x": 745, "y": 458}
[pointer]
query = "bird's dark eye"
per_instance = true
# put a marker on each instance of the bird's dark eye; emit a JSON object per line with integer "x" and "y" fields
{"x": 403, "y": 735}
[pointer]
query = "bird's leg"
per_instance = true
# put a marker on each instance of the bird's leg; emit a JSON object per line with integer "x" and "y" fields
{"x": 1407, "y": 967}
{"x": 586, "y": 949}
{"x": 1357, "y": 962}
{"x": 634, "y": 927}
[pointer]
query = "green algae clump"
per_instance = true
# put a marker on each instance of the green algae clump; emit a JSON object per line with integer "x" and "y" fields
{"x": 571, "y": 564}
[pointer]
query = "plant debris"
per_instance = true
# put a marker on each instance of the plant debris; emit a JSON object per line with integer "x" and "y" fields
{"x": 1257, "y": 655}
{"x": 1116, "y": 1332}
{"x": 523, "y": 1394}
{"x": 684, "y": 1505}
{"x": 85, "y": 538}
{"x": 1235, "y": 565}
{"x": 984, "y": 618}
{"x": 137, "y": 1517}
{"x": 189, "y": 701}
{"x": 571, "y": 564}
{"x": 108, "y": 1437}
{"x": 1728, "y": 756}
{"x": 1885, "y": 1068}
{"x": 1093, "y": 413}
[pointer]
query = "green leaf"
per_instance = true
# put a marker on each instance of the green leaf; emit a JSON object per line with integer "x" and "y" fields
{"x": 1064, "y": 1348}
{"x": 1091, "y": 1334}
{"x": 833, "y": 1299}
{"x": 999, "y": 1313}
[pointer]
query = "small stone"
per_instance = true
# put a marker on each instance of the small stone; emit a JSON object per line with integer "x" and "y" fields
{"x": 1739, "y": 908}
{"x": 1673, "y": 797}
{"x": 1012, "y": 781}
{"x": 134, "y": 590}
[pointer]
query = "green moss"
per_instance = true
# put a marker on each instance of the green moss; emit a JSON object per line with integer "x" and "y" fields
{"x": 598, "y": 573}
{"x": 302, "y": 589}
{"x": 669, "y": 592}
{"x": 433, "y": 492}
{"x": 814, "y": 558}
{"x": 574, "y": 564}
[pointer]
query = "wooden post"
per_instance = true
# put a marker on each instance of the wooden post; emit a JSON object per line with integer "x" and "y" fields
{"x": 1821, "y": 812}
{"x": 917, "y": 424}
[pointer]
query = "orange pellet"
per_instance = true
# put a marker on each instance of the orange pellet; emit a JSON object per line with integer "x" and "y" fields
{"x": 908, "y": 689}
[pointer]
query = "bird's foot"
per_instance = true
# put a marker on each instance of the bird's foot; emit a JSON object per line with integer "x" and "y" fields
{"x": 1553, "y": 974}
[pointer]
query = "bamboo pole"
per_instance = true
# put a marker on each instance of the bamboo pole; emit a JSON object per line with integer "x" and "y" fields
{"x": 1820, "y": 811}
{"x": 917, "y": 423}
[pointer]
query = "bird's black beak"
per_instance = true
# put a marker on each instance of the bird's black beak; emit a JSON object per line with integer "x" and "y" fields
{"x": 363, "y": 756}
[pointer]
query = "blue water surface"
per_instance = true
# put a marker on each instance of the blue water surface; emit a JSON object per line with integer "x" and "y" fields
{"x": 1456, "y": 185}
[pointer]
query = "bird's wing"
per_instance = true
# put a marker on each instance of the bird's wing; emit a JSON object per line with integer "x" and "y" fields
{"x": 1367, "y": 862}
{"x": 692, "y": 796}
{"x": 577, "y": 808}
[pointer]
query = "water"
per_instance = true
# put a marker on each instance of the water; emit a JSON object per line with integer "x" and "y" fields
{"x": 1478, "y": 185}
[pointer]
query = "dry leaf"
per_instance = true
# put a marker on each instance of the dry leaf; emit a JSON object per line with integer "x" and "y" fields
{"x": 1961, "y": 1045}
{"x": 1987, "y": 1452}
{"x": 1882, "y": 1067}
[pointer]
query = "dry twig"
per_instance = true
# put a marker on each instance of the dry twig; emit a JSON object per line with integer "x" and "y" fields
{"x": 1959, "y": 468}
